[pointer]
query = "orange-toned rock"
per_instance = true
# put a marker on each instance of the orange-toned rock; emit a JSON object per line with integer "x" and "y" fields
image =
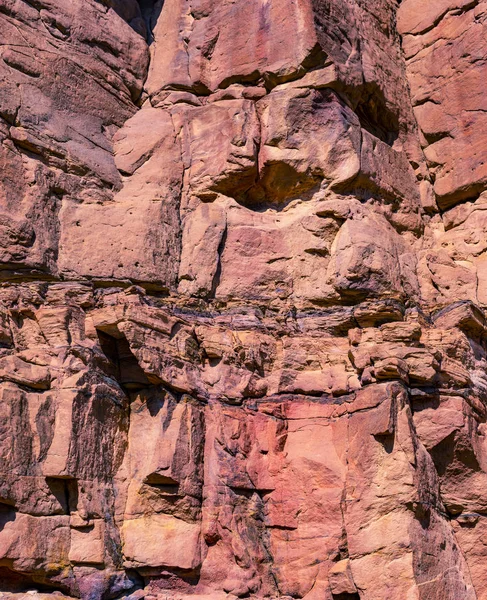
{"x": 446, "y": 96}
{"x": 242, "y": 299}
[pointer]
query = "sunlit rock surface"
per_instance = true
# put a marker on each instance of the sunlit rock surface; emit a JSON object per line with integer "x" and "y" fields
{"x": 243, "y": 283}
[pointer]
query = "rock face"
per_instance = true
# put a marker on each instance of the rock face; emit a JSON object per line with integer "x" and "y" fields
{"x": 243, "y": 284}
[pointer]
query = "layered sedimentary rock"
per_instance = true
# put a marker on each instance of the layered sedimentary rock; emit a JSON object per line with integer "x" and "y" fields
{"x": 242, "y": 301}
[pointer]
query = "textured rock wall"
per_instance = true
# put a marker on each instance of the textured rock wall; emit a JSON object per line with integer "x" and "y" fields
{"x": 243, "y": 283}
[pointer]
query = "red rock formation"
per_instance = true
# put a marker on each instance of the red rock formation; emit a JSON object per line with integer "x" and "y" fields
{"x": 242, "y": 300}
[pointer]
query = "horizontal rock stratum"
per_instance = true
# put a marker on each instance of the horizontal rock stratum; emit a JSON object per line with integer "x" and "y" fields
{"x": 243, "y": 294}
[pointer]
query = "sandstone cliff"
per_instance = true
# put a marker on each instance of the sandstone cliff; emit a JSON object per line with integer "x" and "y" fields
{"x": 243, "y": 284}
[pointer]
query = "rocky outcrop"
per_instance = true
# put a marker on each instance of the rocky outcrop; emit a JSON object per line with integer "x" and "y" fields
{"x": 242, "y": 306}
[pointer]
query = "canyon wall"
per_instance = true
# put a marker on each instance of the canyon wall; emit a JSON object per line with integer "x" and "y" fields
{"x": 243, "y": 284}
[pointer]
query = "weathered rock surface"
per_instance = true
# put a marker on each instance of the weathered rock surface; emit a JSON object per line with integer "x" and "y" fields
{"x": 243, "y": 270}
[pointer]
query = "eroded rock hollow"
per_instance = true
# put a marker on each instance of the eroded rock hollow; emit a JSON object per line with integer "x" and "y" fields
{"x": 243, "y": 283}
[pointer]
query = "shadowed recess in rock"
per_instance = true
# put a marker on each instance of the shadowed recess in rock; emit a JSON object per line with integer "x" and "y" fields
{"x": 150, "y": 10}
{"x": 123, "y": 364}
{"x": 65, "y": 490}
{"x": 7, "y": 514}
{"x": 12, "y": 581}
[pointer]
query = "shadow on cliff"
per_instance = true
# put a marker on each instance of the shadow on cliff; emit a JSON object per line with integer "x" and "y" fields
{"x": 122, "y": 364}
{"x": 12, "y": 581}
{"x": 7, "y": 514}
{"x": 151, "y": 10}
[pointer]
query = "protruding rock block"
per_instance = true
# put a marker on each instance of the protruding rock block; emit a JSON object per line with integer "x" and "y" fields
{"x": 161, "y": 541}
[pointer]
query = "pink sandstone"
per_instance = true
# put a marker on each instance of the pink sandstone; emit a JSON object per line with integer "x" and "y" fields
{"x": 243, "y": 294}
